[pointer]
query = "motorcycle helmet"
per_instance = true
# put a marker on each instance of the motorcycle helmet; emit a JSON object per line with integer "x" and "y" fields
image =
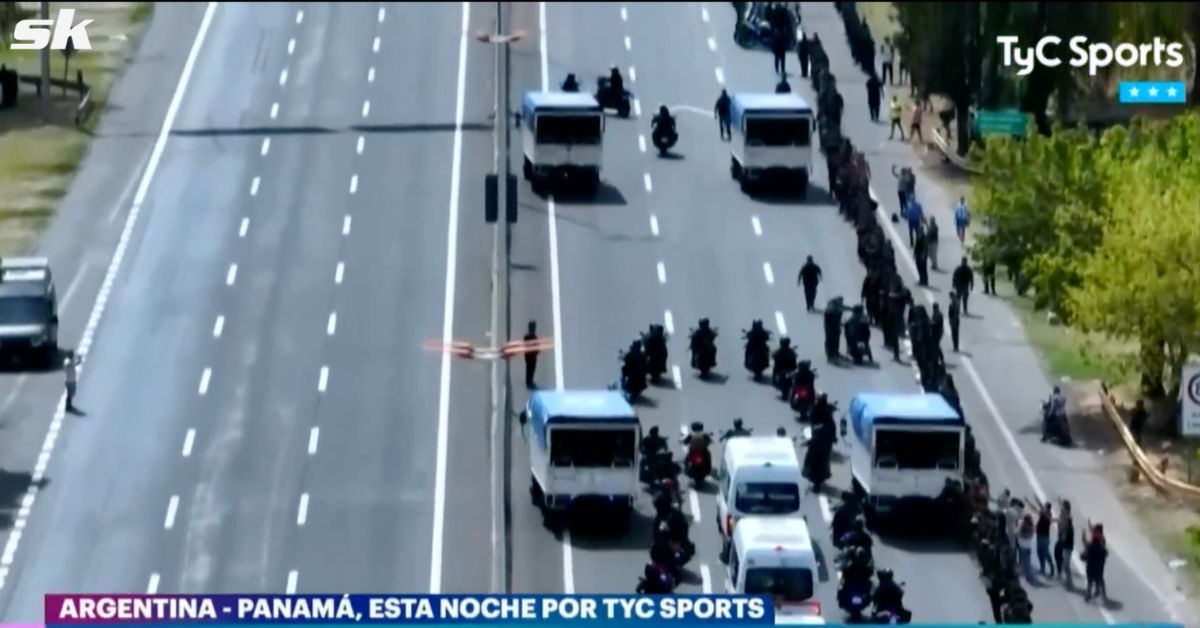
{"x": 785, "y": 342}
{"x": 697, "y": 426}
{"x": 662, "y": 111}
{"x": 704, "y": 323}
{"x": 737, "y": 424}
{"x": 885, "y": 575}
{"x": 859, "y": 525}
{"x": 782, "y": 433}
{"x": 653, "y": 431}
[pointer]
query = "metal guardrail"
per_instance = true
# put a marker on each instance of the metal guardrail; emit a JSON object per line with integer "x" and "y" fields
{"x": 942, "y": 143}
{"x": 1142, "y": 462}
{"x": 78, "y": 85}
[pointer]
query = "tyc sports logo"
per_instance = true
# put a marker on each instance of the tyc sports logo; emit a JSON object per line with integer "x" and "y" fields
{"x": 1094, "y": 56}
{"x": 56, "y": 34}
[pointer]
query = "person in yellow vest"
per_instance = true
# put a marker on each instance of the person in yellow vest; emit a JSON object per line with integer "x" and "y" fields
{"x": 894, "y": 109}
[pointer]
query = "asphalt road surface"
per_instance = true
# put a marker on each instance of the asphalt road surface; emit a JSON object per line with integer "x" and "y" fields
{"x": 673, "y": 240}
{"x": 261, "y": 413}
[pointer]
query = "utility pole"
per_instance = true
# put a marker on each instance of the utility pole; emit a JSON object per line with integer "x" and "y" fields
{"x": 45, "y": 84}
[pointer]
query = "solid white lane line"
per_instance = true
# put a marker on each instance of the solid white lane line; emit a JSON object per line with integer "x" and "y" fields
{"x": 274, "y": 110}
{"x": 331, "y": 326}
{"x": 300, "y": 16}
{"x": 218, "y": 326}
{"x": 353, "y": 183}
{"x": 337, "y": 274}
{"x": 231, "y": 275}
{"x": 677, "y": 375}
{"x": 712, "y": 44}
{"x": 826, "y": 511}
{"x": 662, "y": 273}
{"x": 302, "y": 510}
{"x": 371, "y": 74}
{"x": 632, "y": 74}
{"x": 628, "y": 43}
{"x": 346, "y": 225}
{"x": 244, "y": 227}
{"x": 637, "y": 107}
{"x": 754, "y": 222}
{"x": 101, "y": 302}
{"x": 767, "y": 272}
{"x": 624, "y": 15}
{"x": 382, "y": 14}
{"x": 780, "y": 324}
{"x": 362, "y": 141}
{"x": 694, "y": 502}
{"x": 705, "y": 579}
{"x": 642, "y": 143}
{"x": 291, "y": 45}
{"x": 314, "y": 435}
{"x": 647, "y": 182}
{"x": 293, "y": 575}
{"x": 152, "y": 587}
{"x": 189, "y": 441}
{"x": 204, "y": 379}
{"x": 323, "y": 381}
{"x": 254, "y": 186}
{"x": 443, "y": 417}
{"x": 366, "y": 108}
{"x": 720, "y": 75}
{"x": 375, "y": 45}
{"x": 266, "y": 146}
{"x": 669, "y": 322}
{"x": 283, "y": 77}
{"x": 172, "y": 509}
{"x": 654, "y": 225}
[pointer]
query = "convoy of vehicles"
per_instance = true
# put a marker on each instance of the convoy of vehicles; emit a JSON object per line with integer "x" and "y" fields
{"x": 759, "y": 475}
{"x": 774, "y": 556}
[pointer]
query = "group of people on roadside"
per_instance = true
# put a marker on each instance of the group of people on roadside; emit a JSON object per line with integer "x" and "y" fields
{"x": 1031, "y": 526}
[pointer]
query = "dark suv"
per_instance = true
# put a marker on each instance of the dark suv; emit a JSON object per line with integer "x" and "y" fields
{"x": 28, "y": 309}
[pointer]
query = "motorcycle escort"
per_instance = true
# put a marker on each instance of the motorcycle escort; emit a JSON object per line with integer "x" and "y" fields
{"x": 655, "y": 580}
{"x": 697, "y": 464}
{"x": 663, "y": 135}
{"x": 758, "y": 351}
{"x": 655, "y": 343}
{"x": 703, "y": 346}
{"x": 632, "y": 380}
{"x": 611, "y": 93}
{"x": 804, "y": 390}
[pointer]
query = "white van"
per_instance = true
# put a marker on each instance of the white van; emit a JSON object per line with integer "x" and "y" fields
{"x": 772, "y": 139}
{"x": 774, "y": 556}
{"x": 760, "y": 476}
{"x": 562, "y": 136}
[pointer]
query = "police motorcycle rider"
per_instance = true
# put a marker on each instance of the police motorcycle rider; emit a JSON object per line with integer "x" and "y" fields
{"x": 889, "y": 598}
{"x": 653, "y": 447}
{"x": 785, "y": 362}
{"x": 677, "y": 524}
{"x": 703, "y": 345}
{"x": 1054, "y": 418}
{"x": 855, "y": 581}
{"x": 833, "y": 328}
{"x": 804, "y": 390}
{"x": 570, "y": 84}
{"x": 857, "y": 536}
{"x": 737, "y": 430}
{"x": 655, "y": 580}
{"x": 665, "y": 552}
{"x": 655, "y": 343}
{"x": 615, "y": 82}
{"x": 758, "y": 351}
{"x": 858, "y": 336}
{"x": 845, "y": 515}
{"x": 698, "y": 462}
{"x": 663, "y": 132}
{"x": 633, "y": 370}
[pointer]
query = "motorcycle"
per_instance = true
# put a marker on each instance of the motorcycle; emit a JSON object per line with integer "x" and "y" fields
{"x": 803, "y": 394}
{"x": 655, "y": 581}
{"x": 892, "y": 618}
{"x": 655, "y": 343}
{"x": 610, "y": 98}
{"x": 697, "y": 465}
{"x": 758, "y": 354}
{"x": 854, "y": 597}
{"x": 1056, "y": 428}
{"x": 664, "y": 140}
{"x": 632, "y": 380}
{"x": 704, "y": 354}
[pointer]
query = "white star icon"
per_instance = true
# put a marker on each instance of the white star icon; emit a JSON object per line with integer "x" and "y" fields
{"x": 1133, "y": 91}
{"x": 1153, "y": 92}
{"x": 1171, "y": 92}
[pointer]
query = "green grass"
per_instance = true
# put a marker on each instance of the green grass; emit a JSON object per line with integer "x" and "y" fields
{"x": 142, "y": 12}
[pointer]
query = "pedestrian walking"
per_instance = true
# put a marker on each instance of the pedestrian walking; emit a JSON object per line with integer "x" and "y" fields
{"x": 1095, "y": 555}
{"x": 962, "y": 218}
{"x": 1025, "y": 542}
{"x": 779, "y": 48}
{"x": 531, "y": 356}
{"x": 894, "y": 113}
{"x": 887, "y": 55}
{"x": 1137, "y": 421}
{"x": 937, "y": 325}
{"x": 722, "y": 111}
{"x": 915, "y": 215}
{"x": 931, "y": 241}
{"x": 955, "y": 319}
{"x": 1065, "y": 545}
{"x": 914, "y": 128}
{"x": 963, "y": 281}
{"x": 809, "y": 278}
{"x": 71, "y": 364}
{"x": 1045, "y": 559}
{"x": 874, "y": 95}
{"x": 989, "y": 275}
{"x": 804, "y": 53}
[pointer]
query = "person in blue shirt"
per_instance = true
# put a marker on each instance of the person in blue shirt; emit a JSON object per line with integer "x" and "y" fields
{"x": 916, "y": 220}
{"x": 962, "y": 218}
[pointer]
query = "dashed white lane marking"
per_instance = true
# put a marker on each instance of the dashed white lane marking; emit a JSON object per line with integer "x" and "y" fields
{"x": 323, "y": 381}
{"x": 366, "y": 108}
{"x": 780, "y": 324}
{"x": 266, "y": 146}
{"x": 218, "y": 326}
{"x": 337, "y": 274}
{"x": 669, "y": 321}
{"x": 654, "y": 225}
{"x": 642, "y": 143}
{"x": 362, "y": 142}
{"x": 274, "y": 110}
{"x": 353, "y": 183}
{"x": 254, "y": 185}
{"x": 283, "y": 77}
{"x": 291, "y": 45}
{"x": 712, "y": 44}
{"x": 382, "y": 14}
{"x": 231, "y": 275}
{"x": 767, "y": 272}
{"x": 677, "y": 375}
{"x": 152, "y": 587}
{"x": 293, "y": 576}
{"x": 346, "y": 225}
{"x": 204, "y": 379}
{"x": 720, "y": 75}
{"x": 172, "y": 509}
{"x": 704, "y": 13}
{"x": 331, "y": 326}
{"x": 624, "y": 15}
{"x": 244, "y": 227}
{"x": 694, "y": 502}
{"x": 314, "y": 435}
{"x": 632, "y": 74}
{"x": 375, "y": 45}
{"x": 101, "y": 302}
{"x": 628, "y": 43}
{"x": 826, "y": 513}
{"x": 662, "y": 273}
{"x": 646, "y": 181}
{"x": 189, "y": 441}
{"x": 705, "y": 579}
{"x": 302, "y": 510}
{"x": 757, "y": 224}
{"x": 371, "y": 74}
{"x": 300, "y": 16}
{"x": 637, "y": 111}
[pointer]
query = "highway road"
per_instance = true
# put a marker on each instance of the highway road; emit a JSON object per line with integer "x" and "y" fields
{"x": 673, "y": 240}
{"x": 261, "y": 414}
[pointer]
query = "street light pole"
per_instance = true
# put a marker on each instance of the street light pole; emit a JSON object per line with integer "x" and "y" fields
{"x": 45, "y": 83}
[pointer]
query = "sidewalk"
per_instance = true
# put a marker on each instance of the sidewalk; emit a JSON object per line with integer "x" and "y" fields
{"x": 997, "y": 361}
